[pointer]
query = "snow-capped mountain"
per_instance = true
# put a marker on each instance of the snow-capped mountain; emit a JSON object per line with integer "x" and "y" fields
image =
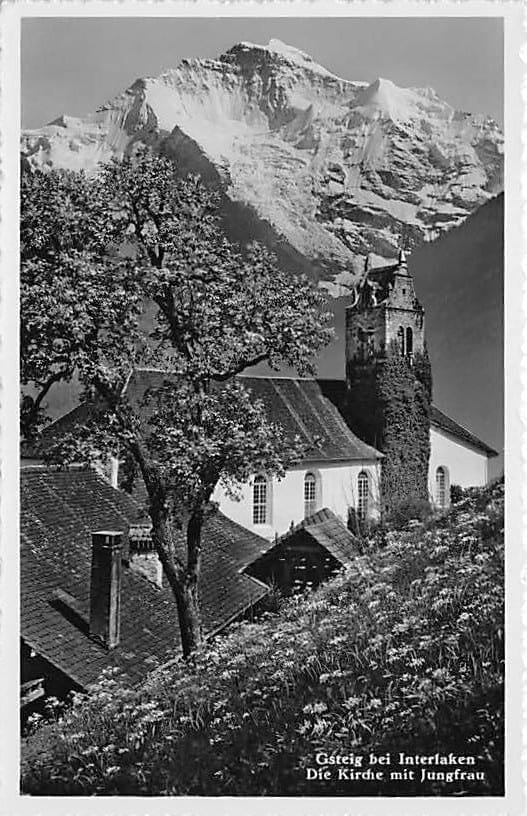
{"x": 323, "y": 169}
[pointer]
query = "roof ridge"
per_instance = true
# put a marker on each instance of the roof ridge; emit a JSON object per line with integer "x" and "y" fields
{"x": 456, "y": 421}
{"x": 39, "y": 466}
{"x": 307, "y": 522}
{"x": 153, "y": 369}
{"x": 243, "y": 375}
{"x": 275, "y": 377}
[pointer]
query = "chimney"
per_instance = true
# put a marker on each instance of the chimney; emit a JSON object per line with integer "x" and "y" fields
{"x": 105, "y": 587}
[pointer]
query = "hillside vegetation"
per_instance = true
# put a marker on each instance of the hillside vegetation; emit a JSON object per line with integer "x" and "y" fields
{"x": 401, "y": 653}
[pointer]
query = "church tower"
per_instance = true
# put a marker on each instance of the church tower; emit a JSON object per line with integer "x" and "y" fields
{"x": 384, "y": 311}
{"x": 388, "y": 378}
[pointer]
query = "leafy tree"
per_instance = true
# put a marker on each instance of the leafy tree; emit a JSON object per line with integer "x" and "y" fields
{"x": 68, "y": 313}
{"x": 215, "y": 311}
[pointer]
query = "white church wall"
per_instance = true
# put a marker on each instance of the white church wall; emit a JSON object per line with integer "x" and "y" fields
{"x": 336, "y": 489}
{"x": 464, "y": 465}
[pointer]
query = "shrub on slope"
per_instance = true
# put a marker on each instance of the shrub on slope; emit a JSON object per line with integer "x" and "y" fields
{"x": 402, "y": 652}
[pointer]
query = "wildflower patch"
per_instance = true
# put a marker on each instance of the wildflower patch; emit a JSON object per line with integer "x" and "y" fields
{"x": 397, "y": 661}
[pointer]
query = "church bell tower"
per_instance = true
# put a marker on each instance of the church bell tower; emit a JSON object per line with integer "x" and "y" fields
{"x": 388, "y": 377}
{"x": 385, "y": 313}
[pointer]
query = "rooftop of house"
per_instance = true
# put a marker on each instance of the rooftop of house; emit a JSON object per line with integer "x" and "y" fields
{"x": 328, "y": 531}
{"x": 60, "y": 509}
{"x": 325, "y": 529}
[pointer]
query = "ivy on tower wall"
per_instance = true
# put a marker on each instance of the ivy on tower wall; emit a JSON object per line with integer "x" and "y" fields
{"x": 389, "y": 407}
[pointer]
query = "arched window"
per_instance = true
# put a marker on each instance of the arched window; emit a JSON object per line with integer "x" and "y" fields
{"x": 310, "y": 494}
{"x": 363, "y": 495}
{"x": 441, "y": 487}
{"x": 260, "y": 500}
{"x": 409, "y": 342}
{"x": 400, "y": 340}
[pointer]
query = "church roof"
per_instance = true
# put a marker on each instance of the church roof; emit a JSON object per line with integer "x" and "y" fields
{"x": 301, "y": 408}
{"x": 445, "y": 423}
{"x": 298, "y": 405}
{"x": 313, "y": 409}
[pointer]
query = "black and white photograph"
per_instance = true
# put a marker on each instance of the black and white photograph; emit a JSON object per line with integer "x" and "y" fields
{"x": 264, "y": 328}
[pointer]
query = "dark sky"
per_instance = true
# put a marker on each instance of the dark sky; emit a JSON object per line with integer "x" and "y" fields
{"x": 74, "y": 65}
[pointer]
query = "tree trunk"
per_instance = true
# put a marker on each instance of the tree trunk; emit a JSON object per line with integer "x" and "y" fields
{"x": 183, "y": 580}
{"x": 189, "y": 617}
{"x": 185, "y": 590}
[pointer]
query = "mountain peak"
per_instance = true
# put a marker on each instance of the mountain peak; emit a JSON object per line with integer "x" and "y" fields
{"x": 324, "y": 169}
{"x": 383, "y": 98}
{"x": 288, "y": 53}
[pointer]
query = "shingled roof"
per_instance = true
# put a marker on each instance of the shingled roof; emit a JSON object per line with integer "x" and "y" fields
{"x": 324, "y": 528}
{"x": 298, "y": 405}
{"x": 328, "y": 531}
{"x": 59, "y": 512}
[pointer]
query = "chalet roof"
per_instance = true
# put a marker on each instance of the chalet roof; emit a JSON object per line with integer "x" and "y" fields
{"x": 328, "y": 531}
{"x": 323, "y": 527}
{"x": 59, "y": 511}
{"x": 298, "y": 405}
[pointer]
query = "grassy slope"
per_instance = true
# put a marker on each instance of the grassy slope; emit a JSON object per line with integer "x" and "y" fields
{"x": 403, "y": 652}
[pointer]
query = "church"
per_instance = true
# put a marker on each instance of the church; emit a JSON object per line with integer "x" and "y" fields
{"x": 355, "y": 441}
{"x": 345, "y": 470}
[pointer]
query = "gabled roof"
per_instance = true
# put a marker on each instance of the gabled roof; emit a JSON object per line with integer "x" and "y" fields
{"x": 325, "y": 529}
{"x": 59, "y": 511}
{"x": 298, "y": 405}
{"x": 440, "y": 420}
{"x": 328, "y": 531}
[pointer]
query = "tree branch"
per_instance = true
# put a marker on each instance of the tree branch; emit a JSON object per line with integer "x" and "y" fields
{"x": 30, "y": 411}
{"x": 261, "y": 358}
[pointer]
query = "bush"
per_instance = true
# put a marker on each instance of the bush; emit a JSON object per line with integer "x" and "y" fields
{"x": 456, "y": 494}
{"x": 411, "y": 509}
{"x": 402, "y": 652}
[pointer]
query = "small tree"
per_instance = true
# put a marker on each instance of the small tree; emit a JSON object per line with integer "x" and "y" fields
{"x": 213, "y": 312}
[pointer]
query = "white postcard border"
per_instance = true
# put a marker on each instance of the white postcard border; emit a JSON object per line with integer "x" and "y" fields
{"x": 515, "y": 361}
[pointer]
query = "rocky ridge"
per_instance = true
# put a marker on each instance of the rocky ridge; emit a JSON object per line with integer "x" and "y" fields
{"x": 323, "y": 169}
